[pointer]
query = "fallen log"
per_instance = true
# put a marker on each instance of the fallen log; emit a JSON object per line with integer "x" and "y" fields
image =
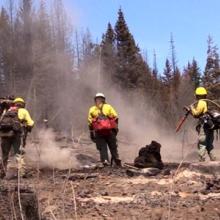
{"x": 81, "y": 176}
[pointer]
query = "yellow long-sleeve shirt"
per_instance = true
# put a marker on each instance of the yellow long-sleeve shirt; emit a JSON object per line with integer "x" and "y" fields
{"x": 95, "y": 111}
{"x": 25, "y": 117}
{"x": 200, "y": 109}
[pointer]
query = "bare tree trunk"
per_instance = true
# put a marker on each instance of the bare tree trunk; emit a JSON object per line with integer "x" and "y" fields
{"x": 12, "y": 88}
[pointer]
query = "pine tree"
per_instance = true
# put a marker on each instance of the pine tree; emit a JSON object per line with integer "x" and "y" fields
{"x": 131, "y": 69}
{"x": 192, "y": 73}
{"x": 212, "y": 68}
{"x": 171, "y": 82}
{"x": 176, "y": 79}
{"x": 171, "y": 73}
{"x": 167, "y": 74}
{"x": 108, "y": 55}
{"x": 189, "y": 81}
{"x": 167, "y": 79}
{"x": 211, "y": 77}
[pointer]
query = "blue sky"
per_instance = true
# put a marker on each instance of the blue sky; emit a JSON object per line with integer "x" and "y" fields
{"x": 152, "y": 21}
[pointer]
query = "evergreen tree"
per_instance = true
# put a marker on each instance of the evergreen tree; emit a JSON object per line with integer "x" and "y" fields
{"x": 132, "y": 71}
{"x": 171, "y": 82}
{"x": 212, "y": 68}
{"x": 167, "y": 74}
{"x": 108, "y": 55}
{"x": 192, "y": 73}
{"x": 176, "y": 79}
{"x": 211, "y": 77}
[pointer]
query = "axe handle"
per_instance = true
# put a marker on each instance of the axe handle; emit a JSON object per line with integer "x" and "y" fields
{"x": 182, "y": 120}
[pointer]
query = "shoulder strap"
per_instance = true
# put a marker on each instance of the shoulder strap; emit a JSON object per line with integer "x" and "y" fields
{"x": 3, "y": 114}
{"x": 101, "y": 111}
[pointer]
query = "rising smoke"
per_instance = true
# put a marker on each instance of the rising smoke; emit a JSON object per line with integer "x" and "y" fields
{"x": 69, "y": 101}
{"x": 139, "y": 124}
{"x": 47, "y": 153}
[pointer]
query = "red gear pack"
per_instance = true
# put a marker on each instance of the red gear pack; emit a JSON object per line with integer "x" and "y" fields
{"x": 103, "y": 122}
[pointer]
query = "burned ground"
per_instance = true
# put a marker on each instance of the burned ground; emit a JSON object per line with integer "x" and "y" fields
{"x": 185, "y": 190}
{"x": 188, "y": 192}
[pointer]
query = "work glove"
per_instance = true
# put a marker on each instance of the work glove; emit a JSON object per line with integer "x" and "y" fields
{"x": 115, "y": 131}
{"x": 92, "y": 135}
{"x": 187, "y": 108}
{"x": 29, "y": 129}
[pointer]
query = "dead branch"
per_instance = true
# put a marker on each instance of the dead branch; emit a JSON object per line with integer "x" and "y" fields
{"x": 74, "y": 201}
{"x": 19, "y": 195}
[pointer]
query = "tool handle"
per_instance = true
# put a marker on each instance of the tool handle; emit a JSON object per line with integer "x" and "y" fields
{"x": 181, "y": 121}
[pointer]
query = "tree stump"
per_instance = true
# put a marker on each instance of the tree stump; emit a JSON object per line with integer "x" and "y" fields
{"x": 9, "y": 204}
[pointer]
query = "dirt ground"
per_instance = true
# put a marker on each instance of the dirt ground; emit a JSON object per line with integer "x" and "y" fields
{"x": 184, "y": 191}
{"x": 110, "y": 194}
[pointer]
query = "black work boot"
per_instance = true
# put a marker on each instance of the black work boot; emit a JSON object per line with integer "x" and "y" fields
{"x": 117, "y": 162}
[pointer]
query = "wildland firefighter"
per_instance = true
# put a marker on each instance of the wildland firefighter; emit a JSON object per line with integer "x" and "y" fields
{"x": 15, "y": 123}
{"x": 103, "y": 126}
{"x": 208, "y": 121}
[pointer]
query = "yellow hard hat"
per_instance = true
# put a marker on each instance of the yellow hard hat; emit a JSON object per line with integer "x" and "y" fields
{"x": 18, "y": 99}
{"x": 201, "y": 91}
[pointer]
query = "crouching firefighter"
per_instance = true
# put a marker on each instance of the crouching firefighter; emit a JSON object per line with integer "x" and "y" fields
{"x": 205, "y": 126}
{"x": 14, "y": 126}
{"x": 103, "y": 125}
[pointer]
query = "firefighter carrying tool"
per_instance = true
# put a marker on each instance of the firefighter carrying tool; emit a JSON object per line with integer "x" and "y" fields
{"x": 208, "y": 121}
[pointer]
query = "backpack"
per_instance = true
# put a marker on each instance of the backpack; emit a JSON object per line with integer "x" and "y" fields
{"x": 215, "y": 117}
{"x": 103, "y": 123}
{"x": 10, "y": 121}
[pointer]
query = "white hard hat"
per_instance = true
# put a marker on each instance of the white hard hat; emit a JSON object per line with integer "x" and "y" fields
{"x": 99, "y": 95}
